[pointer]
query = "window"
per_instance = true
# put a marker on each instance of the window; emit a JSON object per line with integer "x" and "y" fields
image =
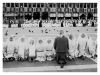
{"x": 8, "y": 4}
{"x": 73, "y": 5}
{"x": 29, "y": 5}
{"x": 16, "y": 5}
{"x": 12, "y": 4}
{"x": 58, "y": 5}
{"x": 84, "y": 5}
{"x": 34, "y": 5}
{"x": 70, "y": 5}
{"x": 42, "y": 5}
{"x": 21, "y": 4}
{"x": 38, "y": 5}
{"x": 50, "y": 5}
{"x": 81, "y": 5}
{"x": 91, "y": 5}
{"x": 66, "y": 5}
{"x": 25, "y": 4}
{"x": 88, "y": 5}
{"x": 77, "y": 5}
{"x": 62, "y": 5}
{"x": 95, "y": 5}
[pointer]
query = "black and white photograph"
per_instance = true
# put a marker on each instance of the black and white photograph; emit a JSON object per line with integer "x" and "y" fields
{"x": 50, "y": 36}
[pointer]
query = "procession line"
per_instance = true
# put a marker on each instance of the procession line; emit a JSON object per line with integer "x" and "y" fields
{"x": 49, "y": 68}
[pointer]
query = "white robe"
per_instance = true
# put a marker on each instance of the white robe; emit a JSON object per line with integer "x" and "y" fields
{"x": 92, "y": 46}
{"x": 40, "y": 51}
{"x": 31, "y": 49}
{"x": 49, "y": 49}
{"x": 11, "y": 45}
{"x": 22, "y": 47}
{"x": 4, "y": 48}
{"x": 81, "y": 43}
{"x": 73, "y": 48}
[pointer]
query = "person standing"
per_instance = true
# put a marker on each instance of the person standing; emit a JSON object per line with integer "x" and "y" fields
{"x": 61, "y": 47}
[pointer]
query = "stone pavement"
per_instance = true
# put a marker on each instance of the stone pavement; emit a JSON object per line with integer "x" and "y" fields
{"x": 87, "y": 65}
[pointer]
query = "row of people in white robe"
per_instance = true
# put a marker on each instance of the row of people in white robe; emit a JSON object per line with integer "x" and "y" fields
{"x": 43, "y": 49}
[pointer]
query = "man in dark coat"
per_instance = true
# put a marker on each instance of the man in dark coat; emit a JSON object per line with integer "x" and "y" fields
{"x": 61, "y": 46}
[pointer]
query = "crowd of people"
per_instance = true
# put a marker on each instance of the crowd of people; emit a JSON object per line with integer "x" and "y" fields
{"x": 53, "y": 23}
{"x": 47, "y": 49}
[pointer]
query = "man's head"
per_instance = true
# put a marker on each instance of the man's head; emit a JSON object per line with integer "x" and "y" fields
{"x": 49, "y": 41}
{"x": 11, "y": 39}
{"x": 61, "y": 32}
{"x": 22, "y": 39}
{"x": 40, "y": 41}
{"x": 83, "y": 35}
{"x": 70, "y": 36}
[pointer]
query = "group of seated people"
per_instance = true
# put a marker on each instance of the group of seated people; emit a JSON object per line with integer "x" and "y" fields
{"x": 45, "y": 49}
{"x": 55, "y": 23}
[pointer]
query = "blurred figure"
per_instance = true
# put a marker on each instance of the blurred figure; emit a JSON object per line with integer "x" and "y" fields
{"x": 4, "y": 50}
{"x": 10, "y": 48}
{"x": 74, "y": 24}
{"x": 62, "y": 25}
{"x": 91, "y": 44}
{"x": 40, "y": 23}
{"x": 40, "y": 50}
{"x": 22, "y": 48}
{"x": 31, "y": 47}
{"x": 79, "y": 23}
{"x": 73, "y": 52}
{"x": 61, "y": 47}
{"x": 50, "y": 52}
{"x": 82, "y": 44}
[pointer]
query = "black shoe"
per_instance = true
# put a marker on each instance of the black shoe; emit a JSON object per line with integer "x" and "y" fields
{"x": 62, "y": 66}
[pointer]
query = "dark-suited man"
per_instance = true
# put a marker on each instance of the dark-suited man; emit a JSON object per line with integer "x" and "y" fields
{"x": 61, "y": 46}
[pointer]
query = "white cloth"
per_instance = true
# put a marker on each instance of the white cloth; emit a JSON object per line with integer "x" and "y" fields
{"x": 4, "y": 49}
{"x": 31, "y": 48}
{"x": 49, "y": 49}
{"x": 40, "y": 46}
{"x": 41, "y": 56}
{"x": 22, "y": 47}
{"x": 73, "y": 48}
{"x": 11, "y": 46}
{"x": 92, "y": 46}
{"x": 81, "y": 42}
{"x": 40, "y": 50}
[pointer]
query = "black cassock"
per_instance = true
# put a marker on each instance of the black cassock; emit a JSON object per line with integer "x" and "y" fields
{"x": 61, "y": 46}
